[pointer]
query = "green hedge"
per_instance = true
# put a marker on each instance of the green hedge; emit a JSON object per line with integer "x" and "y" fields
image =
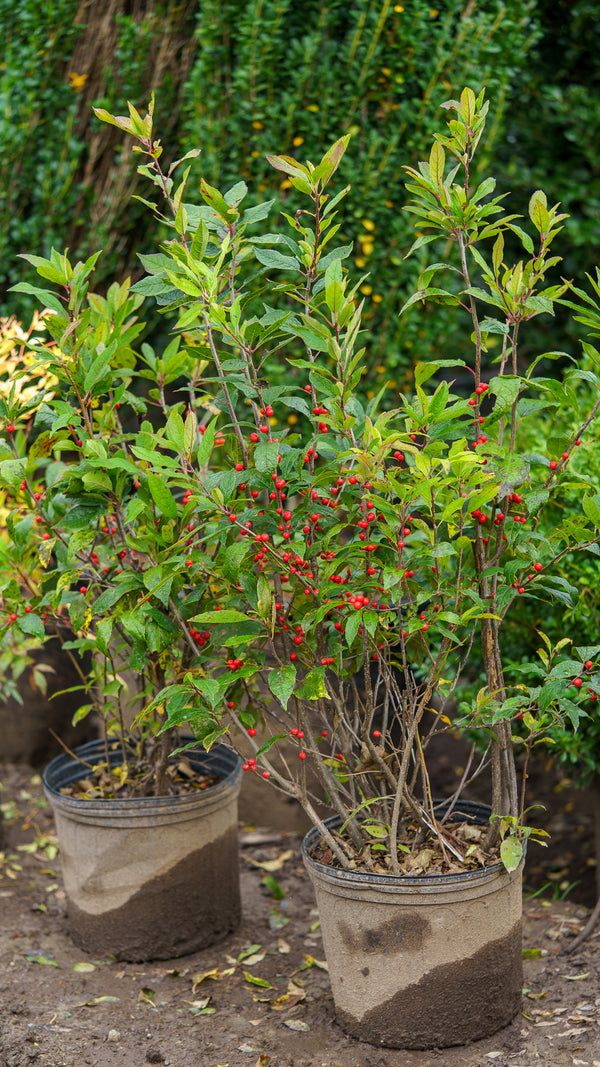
{"x": 63, "y": 177}
{"x": 272, "y": 75}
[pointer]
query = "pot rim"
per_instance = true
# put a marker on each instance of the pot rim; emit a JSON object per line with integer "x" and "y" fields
{"x": 219, "y": 759}
{"x": 343, "y": 877}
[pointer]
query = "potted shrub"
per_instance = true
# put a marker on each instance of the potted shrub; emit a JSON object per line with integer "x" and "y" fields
{"x": 148, "y": 839}
{"x": 334, "y": 561}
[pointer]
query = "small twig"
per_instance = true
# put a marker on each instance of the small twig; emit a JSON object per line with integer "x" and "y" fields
{"x": 69, "y": 752}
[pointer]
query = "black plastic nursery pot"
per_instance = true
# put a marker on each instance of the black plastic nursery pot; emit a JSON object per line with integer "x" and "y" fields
{"x": 152, "y": 877}
{"x": 421, "y": 962}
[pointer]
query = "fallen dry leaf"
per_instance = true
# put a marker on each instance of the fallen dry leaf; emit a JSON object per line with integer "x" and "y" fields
{"x": 254, "y": 980}
{"x": 272, "y": 865}
{"x": 216, "y": 975}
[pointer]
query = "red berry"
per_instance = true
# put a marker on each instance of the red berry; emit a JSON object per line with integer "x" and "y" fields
{"x": 538, "y": 566}
{"x": 266, "y": 774}
{"x": 577, "y": 682}
{"x": 376, "y": 733}
{"x": 553, "y": 464}
{"x": 588, "y": 665}
{"x": 302, "y": 755}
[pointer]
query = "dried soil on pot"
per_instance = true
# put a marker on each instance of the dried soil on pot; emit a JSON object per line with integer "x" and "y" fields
{"x": 132, "y": 1014}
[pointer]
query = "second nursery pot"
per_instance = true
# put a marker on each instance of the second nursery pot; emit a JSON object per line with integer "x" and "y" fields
{"x": 420, "y": 962}
{"x": 152, "y": 877}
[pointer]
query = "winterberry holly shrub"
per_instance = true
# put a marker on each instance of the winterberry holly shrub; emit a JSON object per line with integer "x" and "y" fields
{"x": 320, "y": 584}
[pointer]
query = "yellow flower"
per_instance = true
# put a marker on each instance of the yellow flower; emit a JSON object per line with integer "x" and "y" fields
{"x": 367, "y": 248}
{"x": 389, "y": 203}
{"x": 398, "y": 9}
{"x": 377, "y": 298}
{"x": 77, "y": 81}
{"x": 255, "y": 154}
{"x": 286, "y": 184}
{"x": 360, "y": 262}
{"x": 311, "y": 107}
{"x": 386, "y": 71}
{"x": 434, "y": 12}
{"x": 366, "y": 289}
{"x": 292, "y": 420}
{"x": 368, "y": 225}
{"x": 381, "y": 369}
{"x": 256, "y": 125}
{"x": 298, "y": 141}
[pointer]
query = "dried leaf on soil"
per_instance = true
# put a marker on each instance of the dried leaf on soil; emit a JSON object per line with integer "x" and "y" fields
{"x": 262, "y": 982}
{"x": 200, "y": 1007}
{"x": 249, "y": 952}
{"x": 96, "y": 1000}
{"x": 215, "y": 974}
{"x": 296, "y": 1024}
{"x": 272, "y": 865}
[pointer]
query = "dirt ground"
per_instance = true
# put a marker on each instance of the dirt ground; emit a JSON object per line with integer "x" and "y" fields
{"x": 261, "y": 998}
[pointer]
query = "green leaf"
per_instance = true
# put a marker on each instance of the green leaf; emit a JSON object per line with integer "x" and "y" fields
{"x": 174, "y": 430}
{"x": 330, "y": 161}
{"x": 352, "y": 626}
{"x": 281, "y": 683}
{"x": 162, "y": 496}
{"x": 511, "y": 853}
{"x": 591, "y": 508}
{"x": 98, "y": 369}
{"x": 313, "y": 685}
{"x": 12, "y": 472}
{"x": 31, "y": 624}
{"x": 103, "y": 634}
{"x": 266, "y": 457}
{"x": 226, "y": 616}
{"x": 234, "y": 555}
{"x": 437, "y": 163}
{"x": 269, "y": 744}
{"x": 213, "y": 198}
{"x": 270, "y": 257}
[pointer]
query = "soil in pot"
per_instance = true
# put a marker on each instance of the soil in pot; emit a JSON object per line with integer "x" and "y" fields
{"x": 151, "y": 877}
{"x": 420, "y": 962}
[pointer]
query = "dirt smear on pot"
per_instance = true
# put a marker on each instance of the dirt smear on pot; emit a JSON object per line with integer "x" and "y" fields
{"x": 261, "y": 998}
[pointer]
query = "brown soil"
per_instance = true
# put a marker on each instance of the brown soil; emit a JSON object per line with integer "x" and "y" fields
{"x": 272, "y": 1008}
